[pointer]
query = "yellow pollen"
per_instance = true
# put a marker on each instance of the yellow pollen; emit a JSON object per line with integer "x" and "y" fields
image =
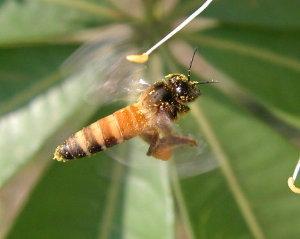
{"x": 58, "y": 156}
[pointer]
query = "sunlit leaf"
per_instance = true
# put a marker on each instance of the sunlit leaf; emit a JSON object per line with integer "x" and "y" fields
{"x": 41, "y": 21}
{"x": 25, "y": 130}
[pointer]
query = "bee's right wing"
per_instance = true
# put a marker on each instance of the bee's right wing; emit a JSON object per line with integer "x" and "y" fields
{"x": 192, "y": 161}
{"x": 188, "y": 160}
{"x": 102, "y": 64}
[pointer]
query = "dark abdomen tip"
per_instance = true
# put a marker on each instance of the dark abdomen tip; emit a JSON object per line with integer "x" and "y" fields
{"x": 68, "y": 151}
{"x": 62, "y": 154}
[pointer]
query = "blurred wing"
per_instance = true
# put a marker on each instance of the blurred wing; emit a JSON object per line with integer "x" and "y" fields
{"x": 189, "y": 160}
{"x": 102, "y": 63}
{"x": 192, "y": 161}
{"x": 120, "y": 79}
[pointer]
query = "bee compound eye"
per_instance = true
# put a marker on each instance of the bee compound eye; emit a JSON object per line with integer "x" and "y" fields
{"x": 181, "y": 88}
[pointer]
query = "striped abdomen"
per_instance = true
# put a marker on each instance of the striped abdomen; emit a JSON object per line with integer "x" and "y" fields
{"x": 104, "y": 133}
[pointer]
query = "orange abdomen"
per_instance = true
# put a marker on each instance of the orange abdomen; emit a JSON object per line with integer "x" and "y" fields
{"x": 122, "y": 125}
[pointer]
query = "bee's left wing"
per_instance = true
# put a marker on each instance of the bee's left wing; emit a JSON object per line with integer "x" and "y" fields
{"x": 102, "y": 64}
{"x": 122, "y": 80}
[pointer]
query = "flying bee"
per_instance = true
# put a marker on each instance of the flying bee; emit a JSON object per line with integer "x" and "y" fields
{"x": 151, "y": 117}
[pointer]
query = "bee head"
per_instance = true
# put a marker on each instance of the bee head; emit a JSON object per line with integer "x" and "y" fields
{"x": 182, "y": 88}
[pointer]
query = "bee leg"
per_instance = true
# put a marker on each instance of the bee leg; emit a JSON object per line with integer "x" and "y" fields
{"x": 176, "y": 140}
{"x": 163, "y": 147}
{"x": 152, "y": 137}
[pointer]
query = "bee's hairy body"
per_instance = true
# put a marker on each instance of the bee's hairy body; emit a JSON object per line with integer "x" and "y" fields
{"x": 159, "y": 104}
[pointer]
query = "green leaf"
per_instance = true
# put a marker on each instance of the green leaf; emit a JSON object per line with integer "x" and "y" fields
{"x": 36, "y": 21}
{"x": 29, "y": 128}
{"x": 260, "y": 13}
{"x": 212, "y": 207}
{"x": 147, "y": 196}
{"x": 28, "y": 71}
{"x": 99, "y": 198}
{"x": 252, "y": 159}
{"x": 252, "y": 48}
{"x": 74, "y": 198}
{"x": 25, "y": 130}
{"x": 264, "y": 63}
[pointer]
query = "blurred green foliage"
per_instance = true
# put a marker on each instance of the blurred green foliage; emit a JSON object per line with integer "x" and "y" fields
{"x": 251, "y": 122}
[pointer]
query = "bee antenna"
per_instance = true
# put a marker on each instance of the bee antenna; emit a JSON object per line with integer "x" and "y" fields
{"x": 208, "y": 82}
{"x": 191, "y": 63}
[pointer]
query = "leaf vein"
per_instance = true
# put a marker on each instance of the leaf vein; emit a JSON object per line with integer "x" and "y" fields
{"x": 247, "y": 50}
